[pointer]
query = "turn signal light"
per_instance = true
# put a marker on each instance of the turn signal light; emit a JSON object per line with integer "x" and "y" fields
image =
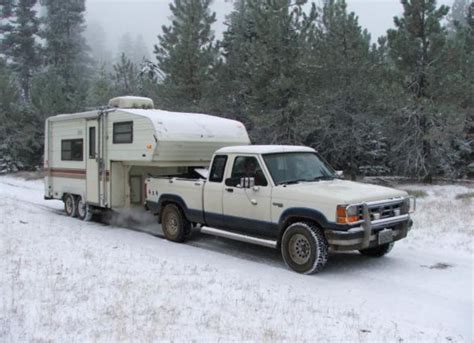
{"x": 346, "y": 214}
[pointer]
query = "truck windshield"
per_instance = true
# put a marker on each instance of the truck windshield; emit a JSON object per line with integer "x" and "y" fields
{"x": 294, "y": 167}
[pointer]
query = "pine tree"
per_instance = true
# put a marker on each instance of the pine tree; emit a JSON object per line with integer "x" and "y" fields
{"x": 263, "y": 73}
{"x": 343, "y": 110}
{"x": 186, "y": 54}
{"x": 66, "y": 53}
{"x": 134, "y": 49}
{"x": 416, "y": 46}
{"x": 457, "y": 88}
{"x": 458, "y": 14}
{"x": 6, "y": 12}
{"x": 125, "y": 46}
{"x": 20, "y": 129}
{"x": 140, "y": 51}
{"x": 9, "y": 97}
{"x": 20, "y": 44}
{"x": 97, "y": 41}
{"x": 126, "y": 77}
{"x": 101, "y": 89}
{"x": 6, "y": 9}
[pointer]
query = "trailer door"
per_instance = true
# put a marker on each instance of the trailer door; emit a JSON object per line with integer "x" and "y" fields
{"x": 92, "y": 164}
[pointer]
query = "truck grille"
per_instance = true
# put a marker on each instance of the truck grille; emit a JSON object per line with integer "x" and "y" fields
{"x": 380, "y": 210}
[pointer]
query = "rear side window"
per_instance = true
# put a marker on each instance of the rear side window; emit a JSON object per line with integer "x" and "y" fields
{"x": 123, "y": 132}
{"x": 218, "y": 168}
{"x": 72, "y": 150}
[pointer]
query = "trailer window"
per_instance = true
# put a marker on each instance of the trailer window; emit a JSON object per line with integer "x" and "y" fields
{"x": 123, "y": 132}
{"x": 217, "y": 169}
{"x": 71, "y": 150}
{"x": 92, "y": 149}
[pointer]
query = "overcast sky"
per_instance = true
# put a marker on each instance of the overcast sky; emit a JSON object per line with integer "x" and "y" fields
{"x": 145, "y": 17}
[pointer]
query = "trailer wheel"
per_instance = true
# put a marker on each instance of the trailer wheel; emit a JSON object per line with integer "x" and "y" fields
{"x": 70, "y": 205}
{"x": 378, "y": 251}
{"x": 175, "y": 226}
{"x": 84, "y": 210}
{"x": 304, "y": 248}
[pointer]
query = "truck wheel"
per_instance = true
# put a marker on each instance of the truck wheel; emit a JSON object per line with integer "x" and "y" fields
{"x": 174, "y": 225}
{"x": 70, "y": 205}
{"x": 378, "y": 251}
{"x": 84, "y": 211}
{"x": 304, "y": 248}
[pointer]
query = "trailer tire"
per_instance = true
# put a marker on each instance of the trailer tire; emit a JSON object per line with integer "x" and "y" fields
{"x": 70, "y": 205}
{"x": 84, "y": 210}
{"x": 377, "y": 251}
{"x": 173, "y": 223}
{"x": 304, "y": 248}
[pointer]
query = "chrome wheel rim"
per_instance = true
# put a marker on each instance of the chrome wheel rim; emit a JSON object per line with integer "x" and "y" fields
{"x": 69, "y": 205}
{"x": 299, "y": 249}
{"x": 172, "y": 224}
{"x": 81, "y": 208}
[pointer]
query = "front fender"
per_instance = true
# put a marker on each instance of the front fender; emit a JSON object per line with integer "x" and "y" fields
{"x": 291, "y": 215}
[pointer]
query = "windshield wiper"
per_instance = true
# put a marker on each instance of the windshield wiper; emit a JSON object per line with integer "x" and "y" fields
{"x": 292, "y": 182}
{"x": 317, "y": 178}
{"x": 324, "y": 177}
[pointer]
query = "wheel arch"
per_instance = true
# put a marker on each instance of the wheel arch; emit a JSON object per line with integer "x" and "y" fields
{"x": 166, "y": 199}
{"x": 300, "y": 214}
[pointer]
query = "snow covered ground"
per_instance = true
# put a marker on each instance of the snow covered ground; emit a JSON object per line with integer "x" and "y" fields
{"x": 65, "y": 280}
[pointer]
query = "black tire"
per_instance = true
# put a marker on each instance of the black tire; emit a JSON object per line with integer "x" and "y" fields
{"x": 84, "y": 210}
{"x": 304, "y": 248}
{"x": 173, "y": 223}
{"x": 377, "y": 251}
{"x": 70, "y": 205}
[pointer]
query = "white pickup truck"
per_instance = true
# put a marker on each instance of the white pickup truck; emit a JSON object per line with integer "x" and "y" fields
{"x": 284, "y": 197}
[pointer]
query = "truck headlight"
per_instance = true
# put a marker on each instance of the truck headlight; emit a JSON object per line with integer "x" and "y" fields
{"x": 346, "y": 214}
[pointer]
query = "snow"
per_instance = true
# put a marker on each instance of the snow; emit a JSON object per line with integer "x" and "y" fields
{"x": 181, "y": 126}
{"x": 62, "y": 278}
{"x": 129, "y": 101}
{"x": 263, "y": 149}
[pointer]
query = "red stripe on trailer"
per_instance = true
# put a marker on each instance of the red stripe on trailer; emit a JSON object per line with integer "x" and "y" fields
{"x": 66, "y": 171}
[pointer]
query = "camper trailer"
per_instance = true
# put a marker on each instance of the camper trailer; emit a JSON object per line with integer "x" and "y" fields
{"x": 99, "y": 159}
{"x": 284, "y": 197}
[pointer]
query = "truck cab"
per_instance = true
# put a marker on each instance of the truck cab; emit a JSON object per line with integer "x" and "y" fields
{"x": 284, "y": 197}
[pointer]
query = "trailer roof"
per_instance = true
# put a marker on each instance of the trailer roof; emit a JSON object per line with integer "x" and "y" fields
{"x": 264, "y": 149}
{"x": 179, "y": 126}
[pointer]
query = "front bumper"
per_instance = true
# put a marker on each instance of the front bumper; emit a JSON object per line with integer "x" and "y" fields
{"x": 366, "y": 235}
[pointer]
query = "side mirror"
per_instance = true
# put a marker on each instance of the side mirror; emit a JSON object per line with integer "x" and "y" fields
{"x": 340, "y": 174}
{"x": 247, "y": 182}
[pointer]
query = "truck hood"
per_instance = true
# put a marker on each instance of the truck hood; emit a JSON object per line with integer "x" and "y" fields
{"x": 340, "y": 191}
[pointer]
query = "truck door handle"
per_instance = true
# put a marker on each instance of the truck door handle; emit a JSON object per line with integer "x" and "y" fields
{"x": 230, "y": 190}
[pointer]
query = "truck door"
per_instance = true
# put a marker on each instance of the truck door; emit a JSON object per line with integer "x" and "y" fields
{"x": 92, "y": 164}
{"x": 247, "y": 210}
{"x": 213, "y": 192}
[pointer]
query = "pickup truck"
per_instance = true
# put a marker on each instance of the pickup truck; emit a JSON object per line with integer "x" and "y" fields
{"x": 284, "y": 197}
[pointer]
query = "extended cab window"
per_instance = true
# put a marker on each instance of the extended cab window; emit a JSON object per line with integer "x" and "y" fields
{"x": 123, "y": 132}
{"x": 71, "y": 150}
{"x": 247, "y": 166}
{"x": 218, "y": 168}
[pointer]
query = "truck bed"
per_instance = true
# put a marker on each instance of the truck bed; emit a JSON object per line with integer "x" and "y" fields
{"x": 190, "y": 191}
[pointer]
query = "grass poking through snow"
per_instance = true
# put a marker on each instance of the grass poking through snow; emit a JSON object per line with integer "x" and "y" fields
{"x": 417, "y": 193}
{"x": 468, "y": 195}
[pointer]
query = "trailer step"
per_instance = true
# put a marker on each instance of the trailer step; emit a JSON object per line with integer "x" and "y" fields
{"x": 239, "y": 237}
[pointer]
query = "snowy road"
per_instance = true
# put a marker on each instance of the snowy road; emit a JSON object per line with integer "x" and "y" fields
{"x": 62, "y": 280}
